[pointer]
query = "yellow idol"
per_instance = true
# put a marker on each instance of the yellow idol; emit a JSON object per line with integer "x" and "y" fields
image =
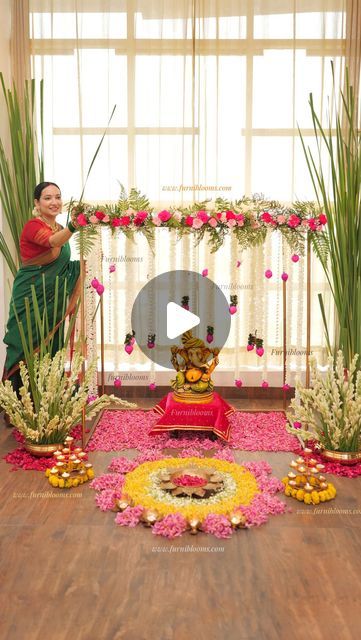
{"x": 192, "y": 375}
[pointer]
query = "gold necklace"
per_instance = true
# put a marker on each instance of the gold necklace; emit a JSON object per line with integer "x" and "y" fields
{"x": 53, "y": 227}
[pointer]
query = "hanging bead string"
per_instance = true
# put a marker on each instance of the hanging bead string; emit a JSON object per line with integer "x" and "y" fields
{"x": 278, "y": 281}
{"x": 90, "y": 306}
{"x": 153, "y": 268}
{"x": 286, "y": 262}
{"x": 264, "y": 306}
{"x": 299, "y": 305}
{"x": 235, "y": 277}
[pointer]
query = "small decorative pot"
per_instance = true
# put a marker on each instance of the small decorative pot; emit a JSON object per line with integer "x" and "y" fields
{"x": 42, "y": 450}
{"x": 343, "y": 457}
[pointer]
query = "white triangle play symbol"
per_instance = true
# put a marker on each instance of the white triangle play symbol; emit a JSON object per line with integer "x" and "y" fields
{"x": 179, "y": 320}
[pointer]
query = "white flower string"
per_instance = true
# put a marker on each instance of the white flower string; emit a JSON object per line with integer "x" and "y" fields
{"x": 92, "y": 269}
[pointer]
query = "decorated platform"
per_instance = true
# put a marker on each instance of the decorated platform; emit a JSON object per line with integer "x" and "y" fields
{"x": 183, "y": 416}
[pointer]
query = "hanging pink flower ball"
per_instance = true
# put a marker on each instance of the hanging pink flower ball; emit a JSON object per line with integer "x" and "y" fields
{"x": 205, "y": 273}
{"x": 297, "y": 425}
{"x": 286, "y": 386}
{"x": 117, "y": 382}
{"x": 132, "y": 340}
{"x": 112, "y": 268}
{"x": 250, "y": 347}
{"x": 238, "y": 263}
{"x": 150, "y": 345}
{"x": 295, "y": 257}
{"x": 128, "y": 348}
{"x": 152, "y": 386}
{"x": 268, "y": 273}
{"x": 264, "y": 384}
{"x": 232, "y": 309}
{"x": 284, "y": 276}
{"x": 238, "y": 383}
{"x": 100, "y": 289}
{"x": 260, "y": 351}
{"x": 95, "y": 283}
{"x": 209, "y": 338}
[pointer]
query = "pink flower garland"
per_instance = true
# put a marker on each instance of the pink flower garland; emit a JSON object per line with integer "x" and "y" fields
{"x": 105, "y": 500}
{"x": 130, "y": 517}
{"x": 219, "y": 526}
{"x": 171, "y": 526}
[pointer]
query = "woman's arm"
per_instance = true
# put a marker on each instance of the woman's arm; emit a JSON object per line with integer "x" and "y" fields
{"x": 61, "y": 237}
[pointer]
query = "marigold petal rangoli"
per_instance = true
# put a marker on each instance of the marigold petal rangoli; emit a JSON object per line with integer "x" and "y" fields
{"x": 199, "y": 494}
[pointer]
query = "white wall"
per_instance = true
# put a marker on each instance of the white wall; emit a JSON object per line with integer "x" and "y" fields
{"x": 5, "y": 21}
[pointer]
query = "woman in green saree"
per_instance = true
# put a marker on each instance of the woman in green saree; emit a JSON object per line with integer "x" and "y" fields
{"x": 46, "y": 264}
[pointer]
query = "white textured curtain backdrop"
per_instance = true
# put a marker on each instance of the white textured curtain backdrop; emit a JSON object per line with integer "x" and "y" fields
{"x": 209, "y": 96}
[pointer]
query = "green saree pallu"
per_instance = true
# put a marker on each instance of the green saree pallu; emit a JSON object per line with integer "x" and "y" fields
{"x": 53, "y": 283}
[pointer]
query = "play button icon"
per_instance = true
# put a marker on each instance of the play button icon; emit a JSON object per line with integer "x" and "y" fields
{"x": 179, "y": 320}
{"x": 174, "y": 303}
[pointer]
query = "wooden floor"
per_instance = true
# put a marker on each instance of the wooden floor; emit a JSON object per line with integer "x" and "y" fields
{"x": 67, "y": 572}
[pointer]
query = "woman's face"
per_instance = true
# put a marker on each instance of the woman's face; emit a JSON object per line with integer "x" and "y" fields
{"x": 50, "y": 202}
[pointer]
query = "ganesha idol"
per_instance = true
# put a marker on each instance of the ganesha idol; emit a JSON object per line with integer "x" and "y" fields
{"x": 194, "y": 367}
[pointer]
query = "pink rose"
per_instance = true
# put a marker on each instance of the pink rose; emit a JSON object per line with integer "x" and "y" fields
{"x": 124, "y": 221}
{"x": 294, "y": 221}
{"x": 106, "y": 218}
{"x": 239, "y": 217}
{"x": 304, "y": 223}
{"x": 312, "y": 224}
{"x": 189, "y": 221}
{"x": 156, "y": 221}
{"x": 231, "y": 222}
{"x": 230, "y": 215}
{"x": 266, "y": 217}
{"x": 100, "y": 215}
{"x": 140, "y": 217}
{"x": 81, "y": 220}
{"x": 203, "y": 215}
{"x": 93, "y": 219}
{"x": 116, "y": 222}
{"x": 212, "y": 222}
{"x": 164, "y": 216}
{"x": 197, "y": 223}
{"x": 255, "y": 224}
{"x": 281, "y": 219}
{"x": 322, "y": 219}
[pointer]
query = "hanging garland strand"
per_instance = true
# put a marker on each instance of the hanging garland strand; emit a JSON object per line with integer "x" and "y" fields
{"x": 248, "y": 220}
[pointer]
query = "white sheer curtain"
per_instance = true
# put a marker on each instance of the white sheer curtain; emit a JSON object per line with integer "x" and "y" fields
{"x": 209, "y": 94}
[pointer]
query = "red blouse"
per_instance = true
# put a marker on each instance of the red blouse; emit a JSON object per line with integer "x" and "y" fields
{"x": 34, "y": 239}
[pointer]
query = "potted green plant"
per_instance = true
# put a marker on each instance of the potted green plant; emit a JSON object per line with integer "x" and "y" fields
{"x": 52, "y": 402}
{"x": 52, "y": 399}
{"x": 335, "y": 170}
{"x": 23, "y": 167}
{"x": 330, "y": 411}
